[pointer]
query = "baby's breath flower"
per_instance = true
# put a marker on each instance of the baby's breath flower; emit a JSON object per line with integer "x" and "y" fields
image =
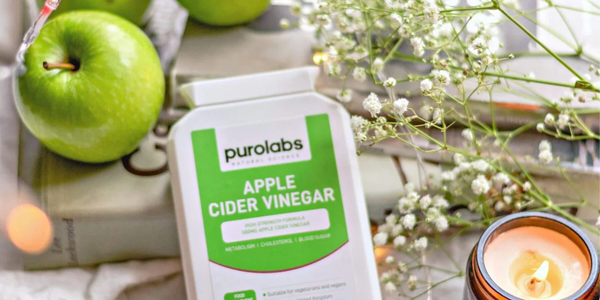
{"x": 540, "y": 127}
{"x": 441, "y": 223}
{"x": 284, "y": 23}
{"x": 499, "y": 206}
{"x": 409, "y": 221}
{"x": 545, "y": 156}
{"x": 410, "y": 189}
{"x": 432, "y": 213}
{"x": 418, "y": 45}
{"x": 389, "y": 287}
{"x": 332, "y": 53}
{"x": 377, "y": 64}
{"x": 567, "y": 97}
{"x": 400, "y": 106}
{"x": 380, "y": 239}
{"x": 372, "y": 104}
{"x": 399, "y": 241}
{"x": 426, "y": 85}
{"x": 333, "y": 68}
{"x": 480, "y": 185}
{"x": 420, "y": 244}
{"x": 425, "y": 201}
{"x": 563, "y": 120}
{"x": 345, "y": 95}
{"x": 390, "y": 260}
{"x": 404, "y": 31}
{"x": 448, "y": 176}
{"x": 391, "y": 219}
{"x": 432, "y": 13}
{"x": 442, "y": 77}
{"x": 507, "y": 199}
{"x": 467, "y": 134}
{"x": 545, "y": 145}
{"x": 358, "y": 123}
{"x": 526, "y": 186}
{"x": 464, "y": 167}
{"x": 324, "y": 20}
{"x": 479, "y": 43}
{"x": 549, "y": 119}
{"x": 458, "y": 158}
{"x": 437, "y": 115}
{"x": 472, "y": 206}
{"x": 412, "y": 282}
{"x": 390, "y": 82}
{"x": 360, "y": 74}
{"x": 598, "y": 222}
{"x": 395, "y": 20}
{"x": 425, "y": 112}
{"x": 480, "y": 165}
{"x": 530, "y": 75}
{"x": 296, "y": 9}
{"x": 439, "y": 202}
{"x": 499, "y": 180}
{"x": 397, "y": 229}
{"x": 384, "y": 228}
{"x": 389, "y": 276}
{"x": 360, "y": 137}
{"x": 402, "y": 267}
{"x": 405, "y": 205}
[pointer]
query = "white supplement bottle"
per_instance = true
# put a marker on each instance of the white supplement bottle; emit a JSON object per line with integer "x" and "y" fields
{"x": 267, "y": 192}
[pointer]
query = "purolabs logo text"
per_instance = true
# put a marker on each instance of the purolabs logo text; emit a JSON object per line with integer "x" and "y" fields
{"x": 266, "y": 148}
{"x": 263, "y": 144}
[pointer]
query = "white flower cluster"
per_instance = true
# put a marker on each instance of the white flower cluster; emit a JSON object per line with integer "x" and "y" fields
{"x": 545, "y": 155}
{"x": 418, "y": 214}
{"x": 480, "y": 178}
{"x": 551, "y": 121}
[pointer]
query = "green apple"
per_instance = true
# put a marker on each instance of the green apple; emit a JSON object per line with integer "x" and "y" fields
{"x": 93, "y": 86}
{"x": 225, "y": 12}
{"x": 132, "y": 10}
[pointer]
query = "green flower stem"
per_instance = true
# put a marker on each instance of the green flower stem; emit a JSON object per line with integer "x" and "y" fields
{"x": 436, "y": 284}
{"x": 593, "y": 3}
{"x": 533, "y": 37}
{"x": 538, "y": 54}
{"x": 468, "y": 9}
{"x": 573, "y": 35}
{"x": 577, "y": 9}
{"x": 553, "y": 32}
{"x": 527, "y": 79}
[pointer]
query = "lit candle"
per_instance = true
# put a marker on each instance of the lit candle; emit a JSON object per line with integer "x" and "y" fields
{"x": 533, "y": 256}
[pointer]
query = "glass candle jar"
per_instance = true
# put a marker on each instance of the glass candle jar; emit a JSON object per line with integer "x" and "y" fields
{"x": 532, "y": 256}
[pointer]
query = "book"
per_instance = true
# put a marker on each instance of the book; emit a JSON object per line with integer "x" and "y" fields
{"x": 101, "y": 213}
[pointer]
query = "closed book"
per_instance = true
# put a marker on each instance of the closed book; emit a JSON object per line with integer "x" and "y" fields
{"x": 102, "y": 213}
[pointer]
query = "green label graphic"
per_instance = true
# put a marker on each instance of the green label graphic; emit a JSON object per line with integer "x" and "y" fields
{"x": 275, "y": 217}
{"x": 243, "y": 295}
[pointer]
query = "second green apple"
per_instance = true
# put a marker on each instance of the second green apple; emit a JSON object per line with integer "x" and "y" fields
{"x": 225, "y": 12}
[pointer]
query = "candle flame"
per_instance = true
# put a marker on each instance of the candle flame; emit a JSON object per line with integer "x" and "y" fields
{"x": 542, "y": 272}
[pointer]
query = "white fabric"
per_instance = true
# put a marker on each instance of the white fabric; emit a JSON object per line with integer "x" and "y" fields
{"x": 105, "y": 283}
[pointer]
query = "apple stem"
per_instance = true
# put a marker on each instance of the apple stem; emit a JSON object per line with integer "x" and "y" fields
{"x": 49, "y": 66}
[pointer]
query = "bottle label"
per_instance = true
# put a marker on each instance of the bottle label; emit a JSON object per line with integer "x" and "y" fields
{"x": 272, "y": 205}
